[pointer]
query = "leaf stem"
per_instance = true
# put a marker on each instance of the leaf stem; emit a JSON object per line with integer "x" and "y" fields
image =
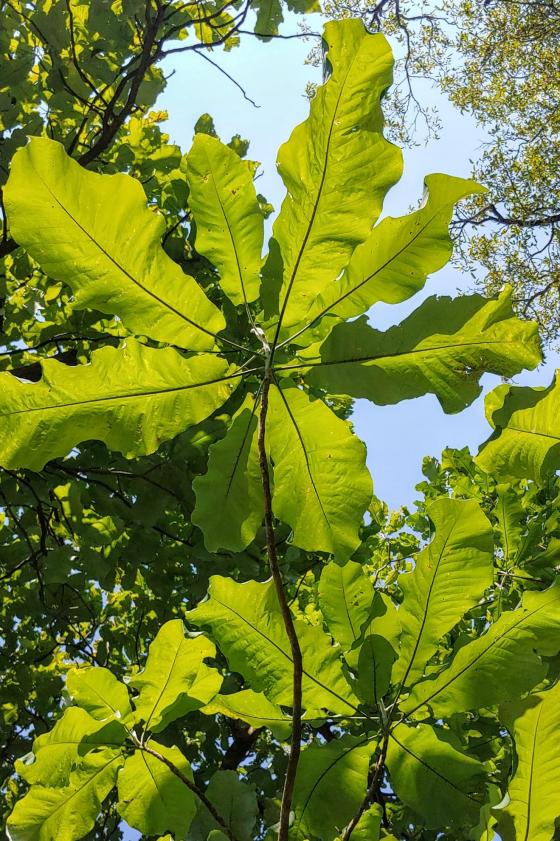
{"x": 295, "y": 746}
{"x": 191, "y": 786}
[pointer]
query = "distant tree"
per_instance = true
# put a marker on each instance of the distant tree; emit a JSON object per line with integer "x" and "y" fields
{"x": 497, "y": 60}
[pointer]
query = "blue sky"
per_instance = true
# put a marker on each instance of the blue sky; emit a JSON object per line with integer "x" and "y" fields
{"x": 274, "y": 75}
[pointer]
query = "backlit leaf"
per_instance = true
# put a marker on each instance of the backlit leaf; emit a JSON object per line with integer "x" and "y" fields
{"x": 246, "y": 623}
{"x": 321, "y": 484}
{"x": 112, "y": 259}
{"x": 175, "y": 679}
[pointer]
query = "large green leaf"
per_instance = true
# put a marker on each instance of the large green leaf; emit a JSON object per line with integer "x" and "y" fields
{"x": 95, "y": 233}
{"x": 443, "y": 348}
{"x": 229, "y": 222}
{"x": 330, "y": 785}
{"x": 235, "y": 802}
{"x": 175, "y": 679}
{"x": 98, "y": 691}
{"x": 526, "y": 441}
{"x": 345, "y": 599}
{"x": 253, "y": 708}
{"x": 441, "y": 784}
{"x": 132, "y": 398}
{"x": 68, "y": 813}
{"x": 246, "y": 623}
{"x": 450, "y": 576}
{"x": 321, "y": 484}
{"x": 532, "y": 811}
{"x": 229, "y": 497}
{"x": 501, "y": 664}
{"x": 152, "y": 798}
{"x": 56, "y": 753}
{"x": 337, "y": 167}
{"x": 398, "y": 255}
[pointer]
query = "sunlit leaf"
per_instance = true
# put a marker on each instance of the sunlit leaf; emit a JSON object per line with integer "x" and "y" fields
{"x": 132, "y": 398}
{"x": 175, "y": 678}
{"x": 246, "y": 623}
{"x": 321, "y": 484}
{"x": 112, "y": 259}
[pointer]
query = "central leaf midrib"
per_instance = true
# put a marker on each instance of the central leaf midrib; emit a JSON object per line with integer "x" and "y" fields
{"x": 120, "y": 397}
{"x": 316, "y": 202}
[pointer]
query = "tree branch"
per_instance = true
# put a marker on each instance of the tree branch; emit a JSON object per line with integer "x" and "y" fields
{"x": 295, "y": 745}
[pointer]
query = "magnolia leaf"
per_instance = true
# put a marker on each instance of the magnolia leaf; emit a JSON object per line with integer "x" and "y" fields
{"x": 175, "y": 679}
{"x": 229, "y": 222}
{"x": 235, "y": 802}
{"x": 438, "y": 782}
{"x": 132, "y": 398}
{"x": 246, "y": 622}
{"x": 229, "y": 497}
{"x": 68, "y": 813}
{"x": 152, "y": 799}
{"x": 532, "y": 811}
{"x": 330, "y": 785}
{"x": 398, "y": 255}
{"x": 345, "y": 599}
{"x": 95, "y": 233}
{"x": 253, "y": 708}
{"x": 369, "y": 825}
{"x": 449, "y": 577}
{"x": 443, "y": 348}
{"x": 526, "y": 441}
{"x": 99, "y": 692}
{"x": 337, "y": 167}
{"x": 501, "y": 664}
{"x": 321, "y": 484}
{"x": 375, "y": 663}
{"x": 56, "y": 753}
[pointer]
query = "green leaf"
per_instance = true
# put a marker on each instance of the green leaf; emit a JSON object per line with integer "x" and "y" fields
{"x": 526, "y": 441}
{"x": 330, "y": 785}
{"x": 449, "y": 577}
{"x": 443, "y": 348}
{"x": 175, "y": 679}
{"x": 229, "y": 497}
{"x": 321, "y": 484}
{"x": 132, "y": 398}
{"x": 438, "y": 782}
{"x": 398, "y": 255}
{"x": 95, "y": 233}
{"x": 345, "y": 599}
{"x": 246, "y": 623}
{"x": 68, "y": 813}
{"x": 152, "y": 799}
{"x": 99, "y": 692}
{"x": 337, "y": 167}
{"x": 532, "y": 811}
{"x": 253, "y": 708}
{"x": 56, "y": 753}
{"x": 369, "y": 825}
{"x": 375, "y": 663}
{"x": 229, "y": 222}
{"x": 501, "y": 664}
{"x": 235, "y": 802}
